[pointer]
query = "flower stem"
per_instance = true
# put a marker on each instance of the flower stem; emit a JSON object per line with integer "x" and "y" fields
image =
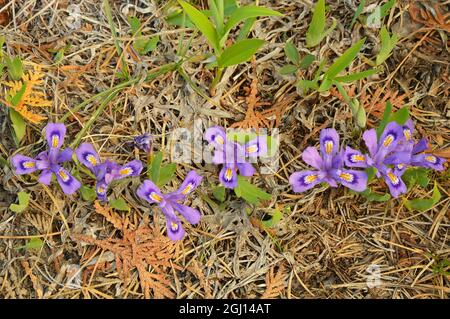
{"x": 216, "y": 79}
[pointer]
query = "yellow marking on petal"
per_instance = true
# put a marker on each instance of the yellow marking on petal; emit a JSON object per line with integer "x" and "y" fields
{"x": 388, "y": 140}
{"x": 394, "y": 179}
{"x": 228, "y": 174}
{"x": 29, "y": 164}
{"x": 310, "y": 178}
{"x": 358, "y": 158}
{"x": 63, "y": 175}
{"x": 100, "y": 190}
{"x": 407, "y": 134}
{"x": 252, "y": 149}
{"x": 329, "y": 147}
{"x": 347, "y": 177}
{"x": 173, "y": 226}
{"x": 187, "y": 189}
{"x": 156, "y": 197}
{"x": 219, "y": 139}
{"x": 91, "y": 159}
{"x": 55, "y": 141}
{"x": 432, "y": 159}
{"x": 126, "y": 171}
{"x": 400, "y": 166}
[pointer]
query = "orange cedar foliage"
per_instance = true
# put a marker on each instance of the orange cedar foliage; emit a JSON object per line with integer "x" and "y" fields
{"x": 31, "y": 97}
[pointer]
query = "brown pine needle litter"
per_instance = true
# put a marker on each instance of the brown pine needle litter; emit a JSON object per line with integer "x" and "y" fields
{"x": 329, "y": 243}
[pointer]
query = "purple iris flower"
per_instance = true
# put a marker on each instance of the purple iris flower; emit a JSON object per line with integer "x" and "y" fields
{"x": 169, "y": 203}
{"x": 107, "y": 171}
{"x": 329, "y": 167}
{"x": 391, "y": 149}
{"x": 143, "y": 142}
{"x": 417, "y": 158}
{"x": 233, "y": 155}
{"x": 49, "y": 162}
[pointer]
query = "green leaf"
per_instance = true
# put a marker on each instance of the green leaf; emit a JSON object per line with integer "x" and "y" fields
{"x": 119, "y": 204}
{"x": 149, "y": 45}
{"x": 325, "y": 85}
{"x": 219, "y": 193}
{"x": 24, "y": 200}
{"x": 18, "y": 125}
{"x": 370, "y": 171}
{"x": 166, "y": 173}
{"x": 423, "y": 205}
{"x": 249, "y": 192}
{"x": 385, "y": 119}
{"x": 356, "y": 76}
{"x": 288, "y": 69}
{"x": 135, "y": 25}
{"x": 15, "y": 100}
{"x": 358, "y": 12}
{"x": 345, "y": 59}
{"x": 244, "y": 13}
{"x": 275, "y": 217}
{"x": 387, "y": 45}
{"x": 374, "y": 197}
{"x": 401, "y": 116}
{"x": 315, "y": 32}
{"x": 416, "y": 175}
{"x": 15, "y": 67}
{"x": 292, "y": 54}
{"x": 306, "y": 61}
{"x": 374, "y": 19}
{"x": 202, "y": 22}
{"x": 217, "y": 13}
{"x": 33, "y": 243}
{"x": 239, "y": 52}
{"x": 87, "y": 193}
{"x": 306, "y": 85}
{"x": 155, "y": 167}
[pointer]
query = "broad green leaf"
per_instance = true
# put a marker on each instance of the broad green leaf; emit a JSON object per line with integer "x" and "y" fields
{"x": 244, "y": 13}
{"x": 239, "y": 52}
{"x": 292, "y": 54}
{"x": 316, "y": 31}
{"x": 374, "y": 197}
{"x": 416, "y": 175}
{"x": 155, "y": 167}
{"x": 33, "y": 243}
{"x": 180, "y": 19}
{"x": 24, "y": 200}
{"x": 371, "y": 172}
{"x": 288, "y": 69}
{"x": 401, "y": 116}
{"x": 356, "y": 76}
{"x": 344, "y": 60}
{"x": 387, "y": 45}
{"x": 306, "y": 61}
{"x": 246, "y": 28}
{"x": 202, "y": 22}
{"x": 149, "y": 45}
{"x": 219, "y": 193}
{"x": 18, "y": 125}
{"x": 166, "y": 173}
{"x": 249, "y": 192}
{"x": 275, "y": 217}
{"x": 15, "y": 67}
{"x": 135, "y": 25}
{"x": 422, "y": 205}
{"x": 87, "y": 193}
{"x": 119, "y": 204}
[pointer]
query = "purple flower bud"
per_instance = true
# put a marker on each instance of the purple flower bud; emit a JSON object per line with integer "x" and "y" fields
{"x": 143, "y": 142}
